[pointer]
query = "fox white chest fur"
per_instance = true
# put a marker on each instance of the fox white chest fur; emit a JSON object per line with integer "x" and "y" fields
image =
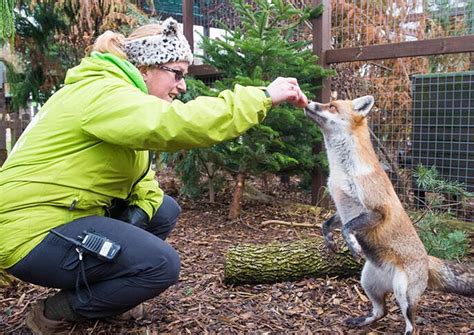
{"x": 345, "y": 164}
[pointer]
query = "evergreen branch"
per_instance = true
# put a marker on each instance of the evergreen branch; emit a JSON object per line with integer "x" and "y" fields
{"x": 7, "y": 22}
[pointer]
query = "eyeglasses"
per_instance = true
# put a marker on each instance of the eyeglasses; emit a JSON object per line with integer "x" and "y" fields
{"x": 178, "y": 74}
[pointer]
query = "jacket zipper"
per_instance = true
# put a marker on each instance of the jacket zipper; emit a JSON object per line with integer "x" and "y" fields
{"x": 150, "y": 154}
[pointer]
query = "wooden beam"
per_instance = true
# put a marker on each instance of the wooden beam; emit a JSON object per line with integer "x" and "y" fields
{"x": 188, "y": 22}
{"x": 438, "y": 46}
{"x": 322, "y": 31}
{"x": 321, "y": 43}
{"x": 203, "y": 70}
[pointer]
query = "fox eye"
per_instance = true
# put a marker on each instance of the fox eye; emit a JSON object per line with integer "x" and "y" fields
{"x": 332, "y": 109}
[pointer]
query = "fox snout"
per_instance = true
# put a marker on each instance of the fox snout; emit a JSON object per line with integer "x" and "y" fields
{"x": 313, "y": 110}
{"x": 313, "y": 106}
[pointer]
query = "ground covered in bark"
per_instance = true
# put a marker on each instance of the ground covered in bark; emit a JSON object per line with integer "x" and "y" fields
{"x": 201, "y": 303}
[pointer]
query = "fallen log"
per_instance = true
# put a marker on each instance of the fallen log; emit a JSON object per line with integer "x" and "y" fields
{"x": 277, "y": 262}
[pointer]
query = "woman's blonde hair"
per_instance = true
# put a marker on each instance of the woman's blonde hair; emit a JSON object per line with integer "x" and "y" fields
{"x": 112, "y": 42}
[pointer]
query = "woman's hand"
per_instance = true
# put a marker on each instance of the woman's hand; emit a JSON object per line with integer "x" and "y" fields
{"x": 287, "y": 90}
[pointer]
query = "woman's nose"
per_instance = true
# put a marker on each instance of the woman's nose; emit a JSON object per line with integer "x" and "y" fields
{"x": 182, "y": 86}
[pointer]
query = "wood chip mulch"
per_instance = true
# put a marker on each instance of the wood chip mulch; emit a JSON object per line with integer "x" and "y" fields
{"x": 201, "y": 303}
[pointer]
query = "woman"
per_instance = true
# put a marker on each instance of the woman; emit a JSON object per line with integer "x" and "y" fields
{"x": 82, "y": 166}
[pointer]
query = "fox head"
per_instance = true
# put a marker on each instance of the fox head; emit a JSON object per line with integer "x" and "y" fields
{"x": 340, "y": 117}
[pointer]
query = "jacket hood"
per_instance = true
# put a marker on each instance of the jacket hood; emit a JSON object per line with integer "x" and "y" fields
{"x": 105, "y": 65}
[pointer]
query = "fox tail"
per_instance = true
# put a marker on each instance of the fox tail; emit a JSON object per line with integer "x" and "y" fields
{"x": 451, "y": 277}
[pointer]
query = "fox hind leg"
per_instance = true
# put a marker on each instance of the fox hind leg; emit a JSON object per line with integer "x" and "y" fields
{"x": 408, "y": 292}
{"x": 376, "y": 284}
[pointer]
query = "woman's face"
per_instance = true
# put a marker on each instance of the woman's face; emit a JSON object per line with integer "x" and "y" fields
{"x": 166, "y": 81}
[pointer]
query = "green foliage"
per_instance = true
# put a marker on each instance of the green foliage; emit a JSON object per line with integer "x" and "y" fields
{"x": 442, "y": 13}
{"x": 429, "y": 179}
{"x": 469, "y": 18}
{"x": 261, "y": 48}
{"x": 264, "y": 46}
{"x": 35, "y": 28}
{"x": 199, "y": 170}
{"x": 52, "y": 36}
{"x": 43, "y": 60}
{"x": 7, "y": 25}
{"x": 439, "y": 240}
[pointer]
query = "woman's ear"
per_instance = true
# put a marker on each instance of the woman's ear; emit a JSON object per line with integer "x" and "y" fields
{"x": 144, "y": 72}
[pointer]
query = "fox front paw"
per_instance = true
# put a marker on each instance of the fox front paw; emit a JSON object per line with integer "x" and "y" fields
{"x": 329, "y": 242}
{"x": 355, "y": 248}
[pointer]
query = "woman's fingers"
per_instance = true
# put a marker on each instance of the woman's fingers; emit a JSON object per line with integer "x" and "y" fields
{"x": 302, "y": 101}
{"x": 286, "y": 90}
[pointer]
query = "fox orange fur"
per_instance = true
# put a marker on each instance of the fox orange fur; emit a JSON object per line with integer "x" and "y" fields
{"x": 374, "y": 223}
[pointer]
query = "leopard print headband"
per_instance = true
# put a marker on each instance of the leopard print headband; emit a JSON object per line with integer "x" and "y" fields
{"x": 169, "y": 46}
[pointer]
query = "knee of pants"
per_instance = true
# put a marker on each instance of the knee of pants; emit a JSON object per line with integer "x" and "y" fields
{"x": 173, "y": 218}
{"x": 164, "y": 220}
{"x": 172, "y": 211}
{"x": 173, "y": 265}
{"x": 164, "y": 267}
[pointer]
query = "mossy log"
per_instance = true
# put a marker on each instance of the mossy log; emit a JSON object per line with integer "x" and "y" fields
{"x": 277, "y": 262}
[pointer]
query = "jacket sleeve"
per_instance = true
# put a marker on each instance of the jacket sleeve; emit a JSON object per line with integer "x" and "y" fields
{"x": 125, "y": 116}
{"x": 146, "y": 194}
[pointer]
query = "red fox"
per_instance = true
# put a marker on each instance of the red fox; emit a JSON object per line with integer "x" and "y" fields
{"x": 374, "y": 224}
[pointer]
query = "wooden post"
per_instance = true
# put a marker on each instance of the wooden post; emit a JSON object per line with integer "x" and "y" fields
{"x": 188, "y": 22}
{"x": 321, "y": 43}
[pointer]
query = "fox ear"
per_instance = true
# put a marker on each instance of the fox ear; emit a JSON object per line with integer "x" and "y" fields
{"x": 363, "y": 105}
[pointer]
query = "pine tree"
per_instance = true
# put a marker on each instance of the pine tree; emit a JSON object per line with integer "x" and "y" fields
{"x": 263, "y": 47}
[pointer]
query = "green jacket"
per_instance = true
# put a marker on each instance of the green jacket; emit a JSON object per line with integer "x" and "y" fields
{"x": 89, "y": 144}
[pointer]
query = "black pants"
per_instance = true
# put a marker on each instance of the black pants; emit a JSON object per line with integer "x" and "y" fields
{"x": 145, "y": 266}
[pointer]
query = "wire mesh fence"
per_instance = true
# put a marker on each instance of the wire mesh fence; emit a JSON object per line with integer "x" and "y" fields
{"x": 364, "y": 22}
{"x": 443, "y": 134}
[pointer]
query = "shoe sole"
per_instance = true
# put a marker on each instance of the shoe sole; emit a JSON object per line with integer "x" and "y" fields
{"x": 30, "y": 323}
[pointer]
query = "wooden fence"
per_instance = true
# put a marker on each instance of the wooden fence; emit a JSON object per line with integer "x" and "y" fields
{"x": 11, "y": 127}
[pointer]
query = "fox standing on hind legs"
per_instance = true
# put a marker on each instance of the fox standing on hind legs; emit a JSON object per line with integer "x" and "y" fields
{"x": 374, "y": 224}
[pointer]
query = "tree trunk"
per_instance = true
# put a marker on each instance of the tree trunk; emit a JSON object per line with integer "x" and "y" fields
{"x": 277, "y": 262}
{"x": 211, "y": 176}
{"x": 212, "y": 192}
{"x": 234, "y": 210}
{"x": 158, "y": 162}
